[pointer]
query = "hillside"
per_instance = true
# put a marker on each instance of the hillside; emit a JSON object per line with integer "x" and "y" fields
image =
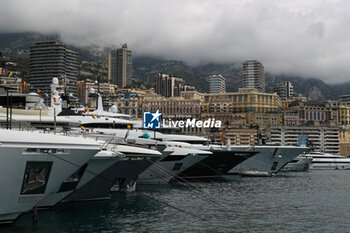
{"x": 15, "y": 47}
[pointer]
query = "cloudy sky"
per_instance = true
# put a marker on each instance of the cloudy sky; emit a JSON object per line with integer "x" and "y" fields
{"x": 310, "y": 38}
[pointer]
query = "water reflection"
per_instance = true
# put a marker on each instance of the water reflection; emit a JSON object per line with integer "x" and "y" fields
{"x": 293, "y": 202}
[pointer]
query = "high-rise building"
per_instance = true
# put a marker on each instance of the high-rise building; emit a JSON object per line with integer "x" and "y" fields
{"x": 49, "y": 59}
{"x": 169, "y": 86}
{"x": 283, "y": 90}
{"x": 253, "y": 75}
{"x": 217, "y": 84}
{"x": 120, "y": 66}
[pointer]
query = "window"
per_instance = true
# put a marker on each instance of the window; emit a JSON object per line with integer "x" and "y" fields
{"x": 71, "y": 182}
{"x": 274, "y": 166}
{"x": 35, "y": 177}
{"x": 177, "y": 166}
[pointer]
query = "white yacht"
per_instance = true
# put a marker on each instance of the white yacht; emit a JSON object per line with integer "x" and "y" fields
{"x": 34, "y": 165}
{"x": 266, "y": 161}
{"x": 326, "y": 161}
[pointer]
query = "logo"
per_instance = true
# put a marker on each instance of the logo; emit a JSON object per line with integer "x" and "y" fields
{"x": 151, "y": 120}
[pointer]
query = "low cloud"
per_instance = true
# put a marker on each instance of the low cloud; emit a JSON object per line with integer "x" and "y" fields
{"x": 307, "y": 38}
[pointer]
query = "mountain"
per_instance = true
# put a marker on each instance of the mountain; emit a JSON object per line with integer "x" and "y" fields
{"x": 15, "y": 46}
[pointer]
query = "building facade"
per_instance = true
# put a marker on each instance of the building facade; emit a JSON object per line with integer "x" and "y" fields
{"x": 315, "y": 114}
{"x": 170, "y": 86}
{"x": 49, "y": 59}
{"x": 264, "y": 120}
{"x": 284, "y": 90}
{"x": 120, "y": 66}
{"x": 253, "y": 75}
{"x": 246, "y": 100}
{"x": 2, "y": 65}
{"x": 217, "y": 84}
{"x": 319, "y": 138}
{"x": 107, "y": 91}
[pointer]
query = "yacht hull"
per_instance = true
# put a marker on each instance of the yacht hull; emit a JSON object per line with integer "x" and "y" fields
{"x": 164, "y": 171}
{"x": 95, "y": 168}
{"x": 216, "y": 165}
{"x": 126, "y": 170}
{"x": 301, "y": 165}
{"x": 29, "y": 175}
{"x": 269, "y": 160}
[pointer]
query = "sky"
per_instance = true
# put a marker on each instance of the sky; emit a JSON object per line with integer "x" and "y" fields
{"x": 309, "y": 38}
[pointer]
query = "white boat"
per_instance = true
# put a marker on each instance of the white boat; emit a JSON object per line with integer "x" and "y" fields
{"x": 300, "y": 164}
{"x": 326, "y": 161}
{"x": 34, "y": 165}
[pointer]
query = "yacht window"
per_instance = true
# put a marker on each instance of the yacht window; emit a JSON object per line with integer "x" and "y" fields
{"x": 274, "y": 166}
{"x": 48, "y": 151}
{"x": 45, "y": 151}
{"x": 35, "y": 177}
{"x": 106, "y": 125}
{"x": 30, "y": 150}
{"x": 71, "y": 182}
{"x": 177, "y": 166}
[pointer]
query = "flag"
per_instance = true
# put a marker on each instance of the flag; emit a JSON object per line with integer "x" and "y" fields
{"x": 54, "y": 99}
{"x": 24, "y": 85}
{"x": 93, "y": 116}
{"x": 82, "y": 128}
{"x": 39, "y": 92}
{"x": 9, "y": 74}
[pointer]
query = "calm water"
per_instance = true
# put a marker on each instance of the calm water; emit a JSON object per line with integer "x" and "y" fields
{"x": 317, "y": 201}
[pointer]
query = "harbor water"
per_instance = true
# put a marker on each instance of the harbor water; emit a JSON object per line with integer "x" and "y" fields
{"x": 315, "y": 201}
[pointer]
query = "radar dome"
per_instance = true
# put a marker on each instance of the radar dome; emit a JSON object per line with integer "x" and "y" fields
{"x": 55, "y": 81}
{"x": 114, "y": 109}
